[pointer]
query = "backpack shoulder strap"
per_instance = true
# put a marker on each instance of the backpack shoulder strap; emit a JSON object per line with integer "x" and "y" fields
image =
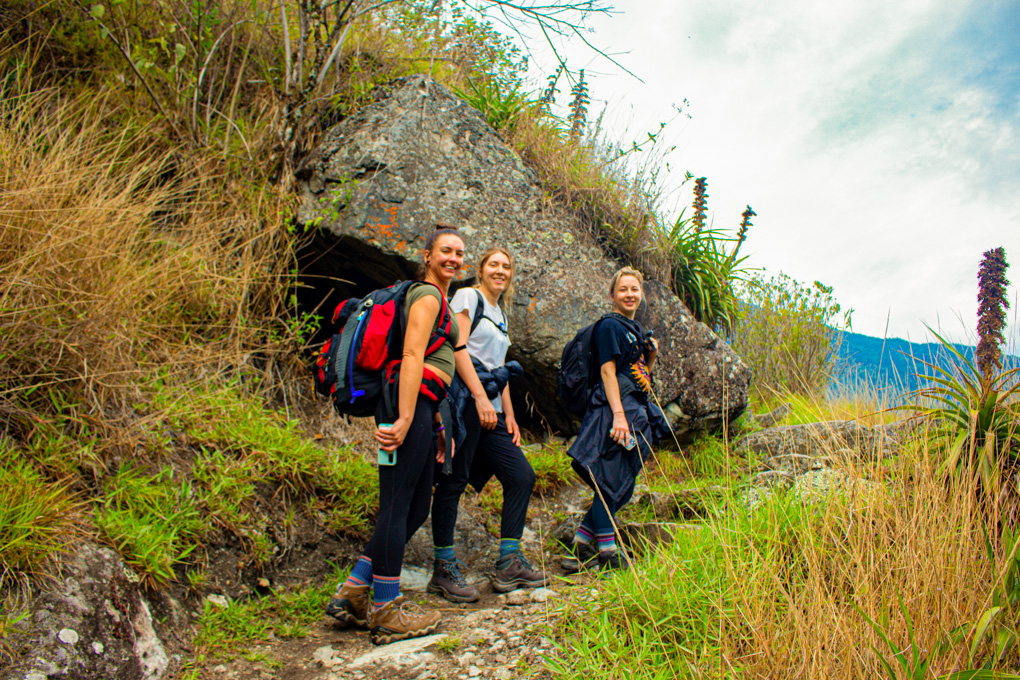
{"x": 479, "y": 312}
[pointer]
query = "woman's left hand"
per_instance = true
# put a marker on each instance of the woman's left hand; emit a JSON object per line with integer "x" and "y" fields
{"x": 441, "y": 447}
{"x": 515, "y": 432}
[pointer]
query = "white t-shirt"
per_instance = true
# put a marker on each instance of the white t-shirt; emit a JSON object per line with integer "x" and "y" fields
{"x": 488, "y": 342}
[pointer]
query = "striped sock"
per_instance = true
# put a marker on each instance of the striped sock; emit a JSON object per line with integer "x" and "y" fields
{"x": 361, "y": 574}
{"x": 584, "y": 535}
{"x": 508, "y": 546}
{"x": 385, "y": 589}
{"x": 607, "y": 543}
{"x": 443, "y": 553}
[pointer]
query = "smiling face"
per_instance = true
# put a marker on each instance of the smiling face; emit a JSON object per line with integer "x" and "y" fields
{"x": 445, "y": 259}
{"x": 495, "y": 273}
{"x": 626, "y": 295}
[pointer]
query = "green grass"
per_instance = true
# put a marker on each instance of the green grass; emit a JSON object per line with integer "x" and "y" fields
{"x": 36, "y": 516}
{"x": 552, "y": 468}
{"x": 236, "y": 630}
{"x": 153, "y": 521}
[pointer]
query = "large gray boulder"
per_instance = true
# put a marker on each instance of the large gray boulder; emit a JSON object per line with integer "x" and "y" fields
{"x": 418, "y": 155}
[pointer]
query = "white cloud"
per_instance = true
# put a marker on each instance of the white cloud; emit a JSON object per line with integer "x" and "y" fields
{"x": 868, "y": 136}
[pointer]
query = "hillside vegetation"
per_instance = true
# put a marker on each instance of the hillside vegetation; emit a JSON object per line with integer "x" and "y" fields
{"x": 152, "y": 387}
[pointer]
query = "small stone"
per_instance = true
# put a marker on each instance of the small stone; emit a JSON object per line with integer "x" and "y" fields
{"x": 263, "y": 583}
{"x": 543, "y": 594}
{"x": 68, "y": 636}
{"x": 219, "y": 669}
{"x": 518, "y": 598}
{"x": 324, "y": 655}
{"x": 501, "y": 674}
{"x": 98, "y": 647}
{"x": 217, "y": 601}
{"x": 474, "y": 672}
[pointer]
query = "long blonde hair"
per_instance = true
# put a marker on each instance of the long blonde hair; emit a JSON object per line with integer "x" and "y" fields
{"x": 506, "y": 298}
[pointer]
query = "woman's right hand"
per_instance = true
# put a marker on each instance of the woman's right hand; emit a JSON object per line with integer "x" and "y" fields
{"x": 620, "y": 432}
{"x": 393, "y": 436}
{"x": 486, "y": 412}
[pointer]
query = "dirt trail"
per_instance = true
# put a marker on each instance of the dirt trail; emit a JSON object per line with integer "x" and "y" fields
{"x": 499, "y": 637}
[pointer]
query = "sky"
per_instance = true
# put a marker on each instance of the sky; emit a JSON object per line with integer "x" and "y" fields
{"x": 878, "y": 142}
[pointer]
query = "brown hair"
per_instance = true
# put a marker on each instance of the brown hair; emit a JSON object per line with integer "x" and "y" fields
{"x": 506, "y": 298}
{"x": 626, "y": 271}
{"x": 430, "y": 243}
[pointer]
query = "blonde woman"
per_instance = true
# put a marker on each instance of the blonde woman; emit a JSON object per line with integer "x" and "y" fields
{"x": 619, "y": 426}
{"x": 491, "y": 438}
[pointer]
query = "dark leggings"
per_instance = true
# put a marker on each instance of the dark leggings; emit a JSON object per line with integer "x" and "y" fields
{"x": 485, "y": 453}
{"x": 405, "y": 490}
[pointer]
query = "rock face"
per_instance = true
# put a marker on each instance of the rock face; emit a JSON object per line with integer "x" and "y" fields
{"x": 93, "y": 623}
{"x": 382, "y": 178}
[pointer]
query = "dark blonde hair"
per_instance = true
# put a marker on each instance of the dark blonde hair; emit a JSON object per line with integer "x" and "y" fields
{"x": 508, "y": 293}
{"x": 626, "y": 271}
{"x": 430, "y": 243}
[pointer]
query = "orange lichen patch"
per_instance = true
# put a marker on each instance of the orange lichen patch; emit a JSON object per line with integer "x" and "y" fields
{"x": 381, "y": 226}
{"x": 532, "y": 304}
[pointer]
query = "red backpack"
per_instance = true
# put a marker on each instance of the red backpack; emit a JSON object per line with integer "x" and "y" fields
{"x": 360, "y": 364}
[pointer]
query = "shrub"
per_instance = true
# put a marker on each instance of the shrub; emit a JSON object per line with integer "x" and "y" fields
{"x": 787, "y": 332}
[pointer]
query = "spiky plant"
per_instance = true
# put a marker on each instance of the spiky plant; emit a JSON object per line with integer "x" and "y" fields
{"x": 545, "y": 102}
{"x": 578, "y": 118}
{"x": 700, "y": 203}
{"x": 972, "y": 406}
{"x": 992, "y": 306}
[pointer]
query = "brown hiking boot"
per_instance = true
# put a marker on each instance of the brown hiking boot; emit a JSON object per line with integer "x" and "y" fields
{"x": 401, "y": 619}
{"x": 579, "y": 556}
{"x": 514, "y": 571}
{"x": 350, "y": 605}
{"x": 450, "y": 583}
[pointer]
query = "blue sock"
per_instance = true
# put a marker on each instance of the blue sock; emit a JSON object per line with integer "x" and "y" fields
{"x": 386, "y": 589}
{"x": 508, "y": 546}
{"x": 361, "y": 574}
{"x": 443, "y": 553}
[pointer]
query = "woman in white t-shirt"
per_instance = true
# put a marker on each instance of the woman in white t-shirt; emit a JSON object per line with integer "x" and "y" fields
{"x": 491, "y": 438}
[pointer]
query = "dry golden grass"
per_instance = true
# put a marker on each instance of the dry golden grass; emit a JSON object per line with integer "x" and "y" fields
{"x": 783, "y": 591}
{"x": 118, "y": 256}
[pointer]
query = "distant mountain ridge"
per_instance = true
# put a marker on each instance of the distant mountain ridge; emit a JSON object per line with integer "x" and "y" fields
{"x": 893, "y": 363}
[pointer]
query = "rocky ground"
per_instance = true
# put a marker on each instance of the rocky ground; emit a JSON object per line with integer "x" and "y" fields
{"x": 501, "y": 636}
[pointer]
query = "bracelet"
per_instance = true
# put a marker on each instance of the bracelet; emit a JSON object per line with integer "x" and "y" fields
{"x": 619, "y": 412}
{"x": 438, "y": 429}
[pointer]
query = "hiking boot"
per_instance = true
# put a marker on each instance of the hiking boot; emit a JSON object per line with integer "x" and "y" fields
{"x": 614, "y": 561}
{"x": 578, "y": 556}
{"x": 350, "y": 605}
{"x": 400, "y": 619}
{"x": 514, "y": 571}
{"x": 450, "y": 583}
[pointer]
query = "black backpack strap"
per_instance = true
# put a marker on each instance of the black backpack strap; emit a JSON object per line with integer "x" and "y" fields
{"x": 479, "y": 312}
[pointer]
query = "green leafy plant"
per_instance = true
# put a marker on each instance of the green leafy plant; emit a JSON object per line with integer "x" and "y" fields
{"x": 787, "y": 332}
{"x": 501, "y": 105}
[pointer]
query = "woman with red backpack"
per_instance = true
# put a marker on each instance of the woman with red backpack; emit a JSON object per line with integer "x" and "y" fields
{"x": 416, "y": 436}
{"x": 620, "y": 424}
